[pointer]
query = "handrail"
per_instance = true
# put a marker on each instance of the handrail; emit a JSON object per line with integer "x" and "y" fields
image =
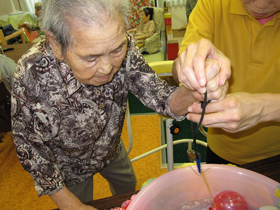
{"x": 165, "y": 146}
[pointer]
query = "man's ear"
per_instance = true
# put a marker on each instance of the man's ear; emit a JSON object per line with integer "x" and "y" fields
{"x": 56, "y": 47}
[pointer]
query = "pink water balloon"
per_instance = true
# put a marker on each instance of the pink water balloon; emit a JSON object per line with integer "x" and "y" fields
{"x": 230, "y": 200}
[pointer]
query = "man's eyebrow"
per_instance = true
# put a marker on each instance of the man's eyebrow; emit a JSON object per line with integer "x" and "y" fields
{"x": 87, "y": 57}
{"x": 123, "y": 43}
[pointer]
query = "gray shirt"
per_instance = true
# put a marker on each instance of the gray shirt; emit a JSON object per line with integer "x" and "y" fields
{"x": 65, "y": 131}
{"x": 7, "y": 67}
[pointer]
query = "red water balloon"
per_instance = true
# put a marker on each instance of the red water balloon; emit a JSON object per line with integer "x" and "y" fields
{"x": 229, "y": 200}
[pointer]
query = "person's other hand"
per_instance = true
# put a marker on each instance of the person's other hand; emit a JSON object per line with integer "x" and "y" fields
{"x": 191, "y": 65}
{"x": 235, "y": 113}
{"x": 215, "y": 91}
{"x": 132, "y": 31}
{"x": 86, "y": 207}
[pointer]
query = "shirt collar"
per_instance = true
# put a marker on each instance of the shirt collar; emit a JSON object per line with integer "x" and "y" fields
{"x": 237, "y": 8}
{"x": 72, "y": 84}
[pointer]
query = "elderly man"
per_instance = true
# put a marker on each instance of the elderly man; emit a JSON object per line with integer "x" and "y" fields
{"x": 69, "y": 99}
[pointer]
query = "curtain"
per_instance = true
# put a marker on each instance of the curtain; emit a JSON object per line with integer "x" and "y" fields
{"x": 29, "y": 5}
{"x": 173, "y": 3}
{"x": 136, "y": 5}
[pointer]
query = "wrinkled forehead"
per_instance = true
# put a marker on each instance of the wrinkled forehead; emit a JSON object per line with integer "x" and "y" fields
{"x": 110, "y": 30}
{"x": 99, "y": 22}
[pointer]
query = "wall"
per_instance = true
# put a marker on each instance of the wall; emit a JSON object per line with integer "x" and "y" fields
{"x": 6, "y": 8}
{"x": 179, "y": 17}
{"x": 178, "y": 13}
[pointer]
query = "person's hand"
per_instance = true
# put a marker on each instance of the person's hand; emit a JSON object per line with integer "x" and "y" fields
{"x": 191, "y": 65}
{"x": 215, "y": 91}
{"x": 86, "y": 207}
{"x": 65, "y": 199}
{"x": 132, "y": 30}
{"x": 235, "y": 113}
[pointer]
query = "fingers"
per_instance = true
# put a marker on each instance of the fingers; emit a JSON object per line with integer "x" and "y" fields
{"x": 195, "y": 65}
{"x": 215, "y": 92}
{"x": 218, "y": 115}
{"x": 202, "y": 67}
{"x": 219, "y": 120}
{"x": 207, "y": 50}
{"x": 186, "y": 74}
{"x": 225, "y": 71}
{"x": 204, "y": 48}
{"x": 212, "y": 68}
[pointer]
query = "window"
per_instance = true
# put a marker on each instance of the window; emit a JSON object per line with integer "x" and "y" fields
{"x": 29, "y": 5}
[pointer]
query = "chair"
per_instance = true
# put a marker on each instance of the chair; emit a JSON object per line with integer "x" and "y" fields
{"x": 4, "y": 39}
{"x": 153, "y": 43}
{"x": 164, "y": 69}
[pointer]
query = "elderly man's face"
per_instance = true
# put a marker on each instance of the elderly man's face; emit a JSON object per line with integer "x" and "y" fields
{"x": 97, "y": 52}
{"x": 260, "y": 9}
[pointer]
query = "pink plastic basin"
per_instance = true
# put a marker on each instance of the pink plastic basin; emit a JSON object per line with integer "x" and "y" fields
{"x": 175, "y": 188}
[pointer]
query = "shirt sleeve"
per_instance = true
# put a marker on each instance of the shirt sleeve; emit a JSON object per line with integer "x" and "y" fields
{"x": 32, "y": 133}
{"x": 144, "y": 83}
{"x": 7, "y": 67}
{"x": 151, "y": 29}
{"x": 201, "y": 24}
{"x": 146, "y": 30}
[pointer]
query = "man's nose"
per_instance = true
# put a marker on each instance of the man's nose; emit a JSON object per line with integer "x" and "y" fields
{"x": 262, "y": 4}
{"x": 105, "y": 65}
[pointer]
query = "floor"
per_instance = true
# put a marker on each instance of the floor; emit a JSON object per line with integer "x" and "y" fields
{"x": 17, "y": 188}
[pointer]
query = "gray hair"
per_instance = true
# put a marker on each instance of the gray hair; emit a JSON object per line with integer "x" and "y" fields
{"x": 59, "y": 16}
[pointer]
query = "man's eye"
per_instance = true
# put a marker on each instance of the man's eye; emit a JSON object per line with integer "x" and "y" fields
{"x": 118, "y": 50}
{"x": 90, "y": 60}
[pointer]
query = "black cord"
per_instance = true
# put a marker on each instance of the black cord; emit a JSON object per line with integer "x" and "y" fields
{"x": 195, "y": 132}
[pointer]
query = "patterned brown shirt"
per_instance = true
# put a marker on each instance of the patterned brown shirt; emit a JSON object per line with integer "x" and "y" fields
{"x": 65, "y": 131}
